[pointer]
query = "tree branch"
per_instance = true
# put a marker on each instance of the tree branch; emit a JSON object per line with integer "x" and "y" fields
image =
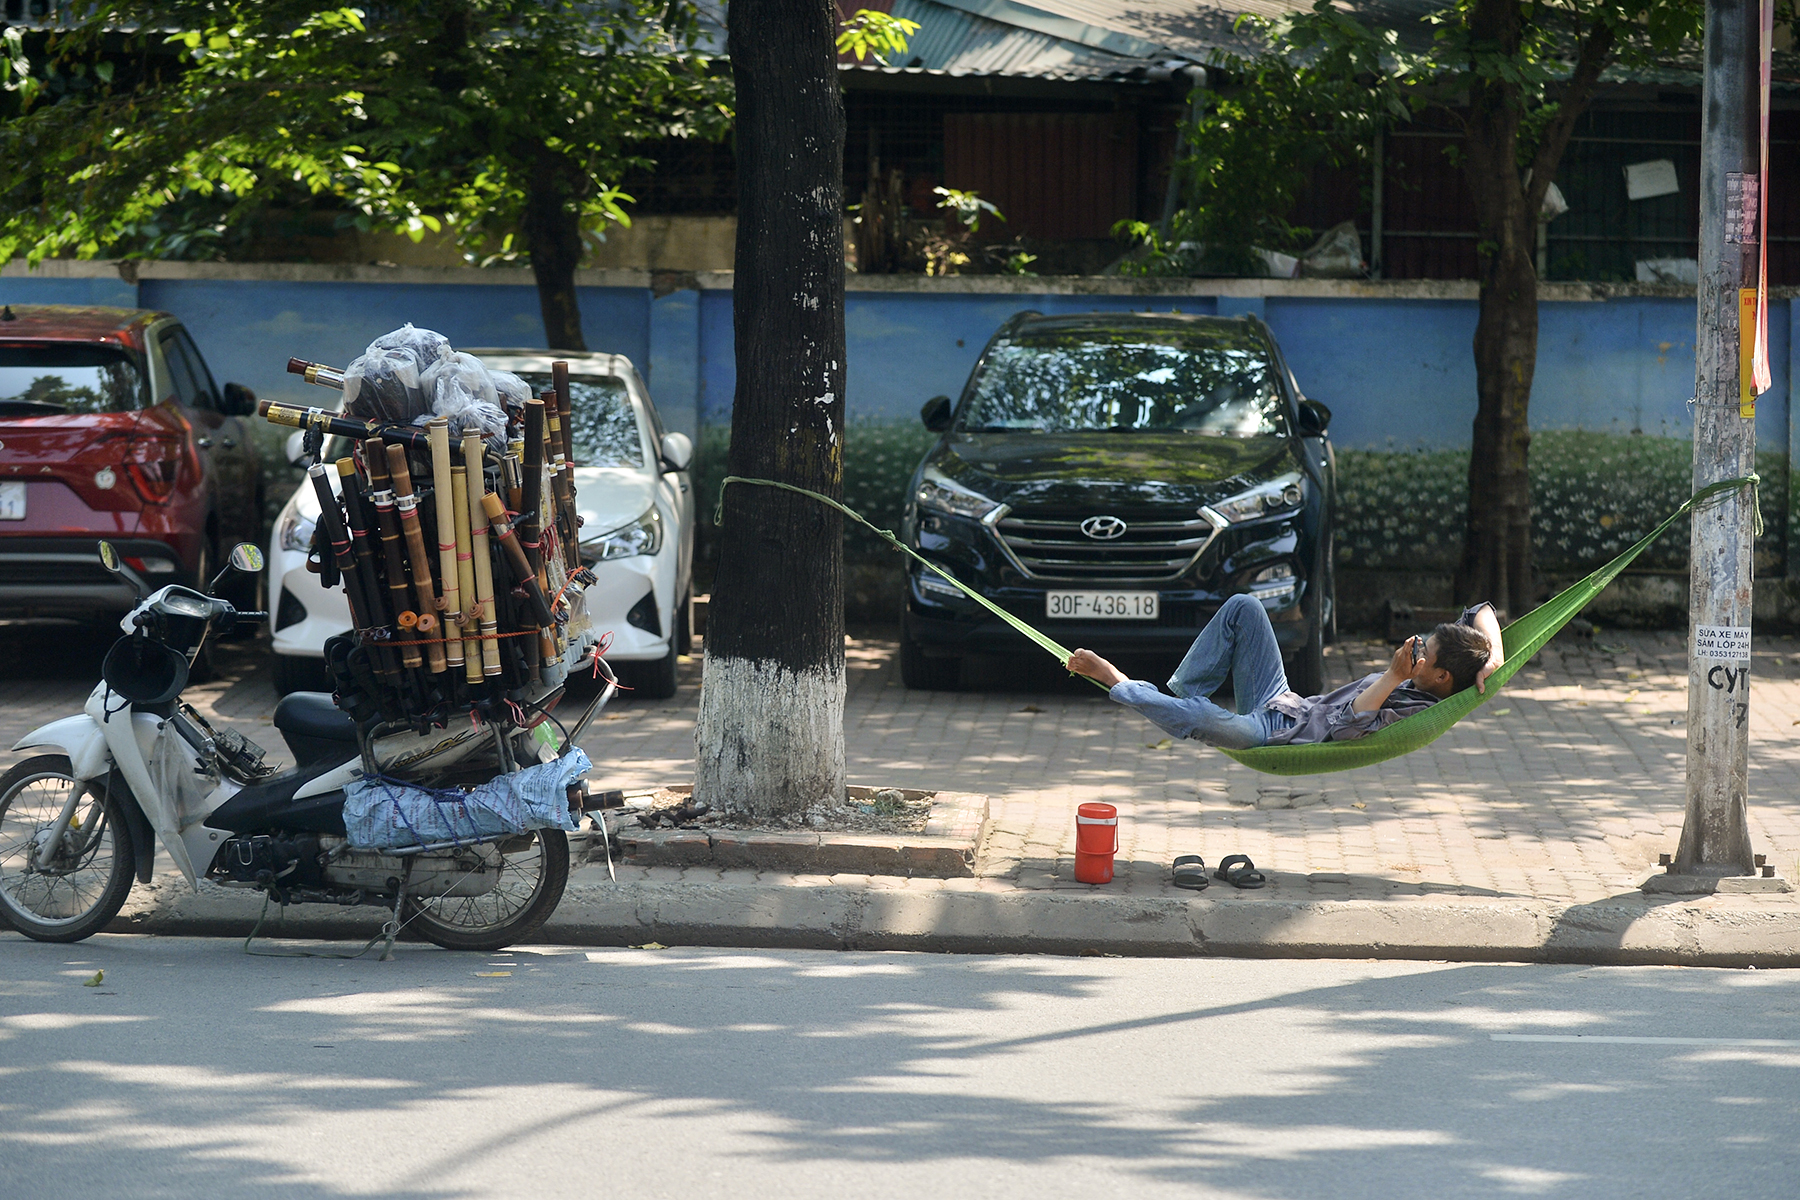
{"x": 1596, "y": 53}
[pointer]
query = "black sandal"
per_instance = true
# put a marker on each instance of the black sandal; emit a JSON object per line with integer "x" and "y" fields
{"x": 1240, "y": 872}
{"x": 1190, "y": 873}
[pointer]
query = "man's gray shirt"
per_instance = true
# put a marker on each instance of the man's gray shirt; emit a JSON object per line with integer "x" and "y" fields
{"x": 1328, "y": 718}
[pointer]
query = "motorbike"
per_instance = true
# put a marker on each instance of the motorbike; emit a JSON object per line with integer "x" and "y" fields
{"x": 138, "y": 766}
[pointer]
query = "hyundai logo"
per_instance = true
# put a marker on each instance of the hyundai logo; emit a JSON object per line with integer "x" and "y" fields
{"x": 1103, "y": 529}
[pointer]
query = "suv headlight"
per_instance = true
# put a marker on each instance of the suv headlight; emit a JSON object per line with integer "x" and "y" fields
{"x": 293, "y": 531}
{"x": 1281, "y": 494}
{"x": 642, "y": 536}
{"x": 940, "y": 493}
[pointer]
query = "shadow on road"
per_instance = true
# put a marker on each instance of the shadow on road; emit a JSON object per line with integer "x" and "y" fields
{"x": 1212, "y": 1078}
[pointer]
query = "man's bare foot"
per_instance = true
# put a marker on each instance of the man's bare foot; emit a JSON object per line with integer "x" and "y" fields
{"x": 1086, "y": 662}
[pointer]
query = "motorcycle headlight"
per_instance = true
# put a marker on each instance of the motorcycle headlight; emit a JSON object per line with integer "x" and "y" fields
{"x": 642, "y": 536}
{"x": 293, "y": 531}
{"x": 942, "y": 494}
{"x": 1281, "y": 494}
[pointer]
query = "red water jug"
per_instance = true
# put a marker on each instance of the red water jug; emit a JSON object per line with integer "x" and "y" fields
{"x": 1096, "y": 841}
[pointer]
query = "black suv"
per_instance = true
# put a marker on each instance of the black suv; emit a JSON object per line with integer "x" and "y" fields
{"x": 1113, "y": 478}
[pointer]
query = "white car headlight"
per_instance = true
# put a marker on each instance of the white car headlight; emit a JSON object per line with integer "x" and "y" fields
{"x": 1281, "y": 494}
{"x": 293, "y": 531}
{"x": 939, "y": 492}
{"x": 642, "y": 536}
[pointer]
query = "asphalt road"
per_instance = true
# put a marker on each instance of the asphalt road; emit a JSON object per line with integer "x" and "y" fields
{"x": 193, "y": 1070}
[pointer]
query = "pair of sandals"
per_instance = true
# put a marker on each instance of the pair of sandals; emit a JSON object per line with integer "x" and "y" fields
{"x": 1235, "y": 869}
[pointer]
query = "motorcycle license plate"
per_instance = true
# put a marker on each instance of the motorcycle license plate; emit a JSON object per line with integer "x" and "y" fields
{"x": 12, "y": 501}
{"x": 1101, "y": 606}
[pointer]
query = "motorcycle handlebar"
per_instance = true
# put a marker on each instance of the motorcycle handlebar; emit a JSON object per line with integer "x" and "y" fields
{"x": 251, "y": 616}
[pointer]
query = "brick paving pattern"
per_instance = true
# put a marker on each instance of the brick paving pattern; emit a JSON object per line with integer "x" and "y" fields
{"x": 1564, "y": 788}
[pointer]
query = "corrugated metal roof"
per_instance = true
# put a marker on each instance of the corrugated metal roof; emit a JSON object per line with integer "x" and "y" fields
{"x": 958, "y": 42}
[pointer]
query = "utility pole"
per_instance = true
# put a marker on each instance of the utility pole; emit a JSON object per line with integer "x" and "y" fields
{"x": 1715, "y": 837}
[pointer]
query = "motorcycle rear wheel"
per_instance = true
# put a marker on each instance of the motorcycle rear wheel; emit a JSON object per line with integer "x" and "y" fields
{"x": 529, "y": 888}
{"x": 85, "y": 889}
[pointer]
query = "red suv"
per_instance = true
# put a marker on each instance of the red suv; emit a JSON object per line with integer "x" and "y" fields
{"x": 111, "y": 427}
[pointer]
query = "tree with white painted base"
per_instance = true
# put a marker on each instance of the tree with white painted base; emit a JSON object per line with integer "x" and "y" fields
{"x": 770, "y": 737}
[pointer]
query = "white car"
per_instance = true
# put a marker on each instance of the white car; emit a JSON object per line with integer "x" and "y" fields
{"x": 637, "y": 531}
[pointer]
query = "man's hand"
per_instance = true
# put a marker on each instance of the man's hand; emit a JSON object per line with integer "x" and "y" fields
{"x": 1086, "y": 662}
{"x": 1401, "y": 667}
{"x": 1489, "y": 625}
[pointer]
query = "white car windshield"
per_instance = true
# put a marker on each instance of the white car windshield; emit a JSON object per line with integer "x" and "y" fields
{"x": 606, "y": 425}
{"x": 76, "y": 379}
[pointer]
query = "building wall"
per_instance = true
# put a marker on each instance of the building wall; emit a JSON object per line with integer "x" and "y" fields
{"x": 1392, "y": 360}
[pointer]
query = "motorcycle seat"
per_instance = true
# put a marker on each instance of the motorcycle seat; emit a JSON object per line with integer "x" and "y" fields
{"x": 313, "y": 715}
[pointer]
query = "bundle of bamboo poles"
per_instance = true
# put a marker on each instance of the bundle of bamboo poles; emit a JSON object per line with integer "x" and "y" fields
{"x": 457, "y": 562}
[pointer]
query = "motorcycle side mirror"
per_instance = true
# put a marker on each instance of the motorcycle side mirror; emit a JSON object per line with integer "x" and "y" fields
{"x": 247, "y": 558}
{"x": 109, "y": 558}
{"x": 244, "y": 557}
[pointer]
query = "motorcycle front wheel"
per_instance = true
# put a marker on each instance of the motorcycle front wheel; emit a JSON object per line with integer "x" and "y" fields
{"x": 88, "y": 878}
{"x": 534, "y": 869}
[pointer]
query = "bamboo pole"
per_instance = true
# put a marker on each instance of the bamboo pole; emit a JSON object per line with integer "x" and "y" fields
{"x": 417, "y": 559}
{"x": 438, "y": 431}
{"x": 465, "y": 571}
{"x": 484, "y": 565}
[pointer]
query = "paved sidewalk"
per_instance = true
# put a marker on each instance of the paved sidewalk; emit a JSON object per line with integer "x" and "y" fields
{"x": 1551, "y": 805}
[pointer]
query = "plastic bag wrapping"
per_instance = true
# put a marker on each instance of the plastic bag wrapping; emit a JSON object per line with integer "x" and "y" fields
{"x": 462, "y": 391}
{"x": 383, "y": 386}
{"x": 381, "y": 813}
{"x": 425, "y": 346}
{"x": 1336, "y": 255}
{"x": 172, "y": 768}
{"x": 514, "y": 392}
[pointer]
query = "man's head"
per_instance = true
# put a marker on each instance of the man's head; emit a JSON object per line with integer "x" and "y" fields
{"x": 1453, "y": 656}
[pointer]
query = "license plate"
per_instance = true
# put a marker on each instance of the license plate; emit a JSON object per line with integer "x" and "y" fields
{"x": 1101, "y": 606}
{"x": 12, "y": 501}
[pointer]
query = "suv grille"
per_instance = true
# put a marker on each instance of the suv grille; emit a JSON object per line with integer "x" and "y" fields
{"x": 1148, "y": 550}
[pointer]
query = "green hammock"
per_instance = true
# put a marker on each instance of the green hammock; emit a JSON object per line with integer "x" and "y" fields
{"x": 1522, "y": 639}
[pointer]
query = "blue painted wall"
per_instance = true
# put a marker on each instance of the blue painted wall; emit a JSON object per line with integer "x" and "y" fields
{"x": 1397, "y": 373}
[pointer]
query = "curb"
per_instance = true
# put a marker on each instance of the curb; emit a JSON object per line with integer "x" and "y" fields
{"x": 1626, "y": 930}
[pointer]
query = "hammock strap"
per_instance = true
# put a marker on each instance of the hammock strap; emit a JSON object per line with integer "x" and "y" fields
{"x": 1043, "y": 640}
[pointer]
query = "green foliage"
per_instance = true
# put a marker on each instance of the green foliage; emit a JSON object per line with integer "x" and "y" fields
{"x": 872, "y": 34}
{"x": 1324, "y": 82}
{"x": 966, "y": 207}
{"x": 420, "y": 118}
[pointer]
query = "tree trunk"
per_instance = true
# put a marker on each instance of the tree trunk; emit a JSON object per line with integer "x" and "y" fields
{"x": 551, "y": 224}
{"x": 1497, "y": 559}
{"x": 1496, "y": 562}
{"x": 770, "y": 736}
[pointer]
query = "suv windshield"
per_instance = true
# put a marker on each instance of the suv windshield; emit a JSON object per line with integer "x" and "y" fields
{"x": 606, "y": 427}
{"x": 1130, "y": 379}
{"x": 76, "y": 379}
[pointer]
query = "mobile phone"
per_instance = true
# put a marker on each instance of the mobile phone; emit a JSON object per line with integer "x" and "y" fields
{"x": 1418, "y": 649}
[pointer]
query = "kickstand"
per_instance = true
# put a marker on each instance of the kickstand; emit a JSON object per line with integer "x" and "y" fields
{"x": 392, "y": 929}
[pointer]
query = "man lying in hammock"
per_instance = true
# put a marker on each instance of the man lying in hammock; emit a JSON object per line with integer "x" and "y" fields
{"x": 1240, "y": 642}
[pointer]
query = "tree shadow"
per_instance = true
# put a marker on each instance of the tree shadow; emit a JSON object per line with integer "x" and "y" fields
{"x": 795, "y": 1068}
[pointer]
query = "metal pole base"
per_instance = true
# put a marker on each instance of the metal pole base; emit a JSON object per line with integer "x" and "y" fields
{"x": 1670, "y": 884}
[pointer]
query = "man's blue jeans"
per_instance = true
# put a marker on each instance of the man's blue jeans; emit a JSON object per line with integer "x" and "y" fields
{"x": 1240, "y": 642}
